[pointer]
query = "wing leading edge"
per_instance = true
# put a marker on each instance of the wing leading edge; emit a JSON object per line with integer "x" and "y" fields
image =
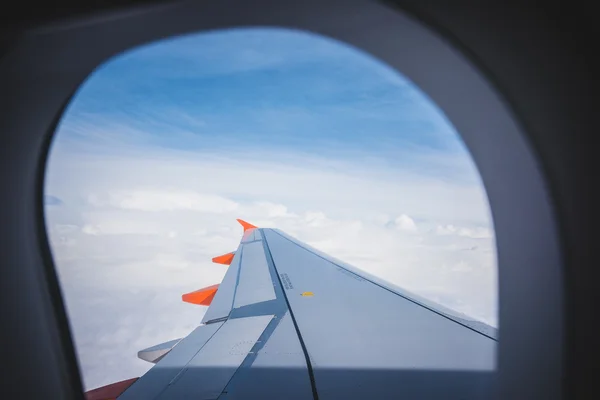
{"x": 291, "y": 322}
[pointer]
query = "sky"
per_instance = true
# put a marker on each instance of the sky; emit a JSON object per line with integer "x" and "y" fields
{"x": 164, "y": 146}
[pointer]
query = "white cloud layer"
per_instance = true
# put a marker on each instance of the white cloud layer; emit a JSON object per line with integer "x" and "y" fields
{"x": 475, "y": 233}
{"x": 405, "y": 223}
{"x": 167, "y": 200}
{"x": 137, "y": 230}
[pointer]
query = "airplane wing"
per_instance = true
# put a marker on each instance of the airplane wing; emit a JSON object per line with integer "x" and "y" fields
{"x": 290, "y": 322}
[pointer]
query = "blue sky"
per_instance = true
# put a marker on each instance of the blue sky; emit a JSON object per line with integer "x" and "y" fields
{"x": 164, "y": 146}
{"x": 268, "y": 89}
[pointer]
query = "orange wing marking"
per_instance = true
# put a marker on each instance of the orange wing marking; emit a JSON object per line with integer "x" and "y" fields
{"x": 109, "y": 392}
{"x": 225, "y": 259}
{"x": 201, "y": 297}
{"x": 246, "y": 225}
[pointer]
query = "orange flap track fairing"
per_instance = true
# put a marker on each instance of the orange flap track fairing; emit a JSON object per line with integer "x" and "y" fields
{"x": 205, "y": 296}
{"x": 202, "y": 297}
{"x": 225, "y": 259}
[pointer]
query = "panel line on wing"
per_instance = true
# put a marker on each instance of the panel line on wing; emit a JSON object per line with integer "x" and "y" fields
{"x": 213, "y": 321}
{"x": 277, "y": 307}
{"x": 255, "y": 280}
{"x": 237, "y": 278}
{"x": 222, "y": 303}
{"x": 162, "y": 374}
{"x": 201, "y": 347}
{"x": 185, "y": 367}
{"x": 302, "y": 344}
{"x": 209, "y": 371}
{"x": 332, "y": 261}
{"x": 258, "y": 345}
{"x": 275, "y": 367}
{"x": 251, "y": 241}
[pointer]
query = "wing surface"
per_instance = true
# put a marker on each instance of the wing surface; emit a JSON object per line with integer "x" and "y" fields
{"x": 290, "y": 322}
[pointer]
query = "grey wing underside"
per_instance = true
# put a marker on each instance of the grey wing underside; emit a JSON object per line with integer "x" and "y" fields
{"x": 289, "y": 322}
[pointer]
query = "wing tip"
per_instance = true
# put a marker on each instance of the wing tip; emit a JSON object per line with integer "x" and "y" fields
{"x": 246, "y": 225}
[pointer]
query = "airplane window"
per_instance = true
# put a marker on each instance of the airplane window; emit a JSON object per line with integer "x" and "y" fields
{"x": 163, "y": 147}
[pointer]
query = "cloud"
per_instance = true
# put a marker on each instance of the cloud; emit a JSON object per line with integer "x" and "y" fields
{"x": 474, "y": 232}
{"x": 307, "y": 182}
{"x": 274, "y": 210}
{"x": 406, "y": 223}
{"x": 168, "y": 200}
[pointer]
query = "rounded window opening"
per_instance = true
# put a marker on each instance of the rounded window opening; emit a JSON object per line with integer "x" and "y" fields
{"x": 163, "y": 147}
